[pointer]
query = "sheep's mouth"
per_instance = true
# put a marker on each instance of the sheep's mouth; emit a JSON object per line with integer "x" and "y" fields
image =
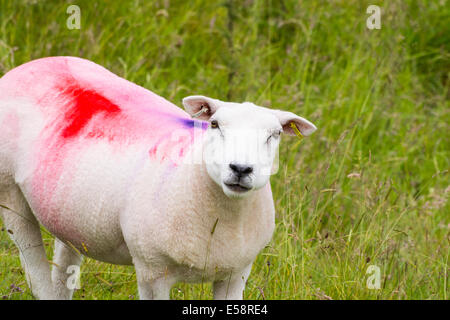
{"x": 236, "y": 187}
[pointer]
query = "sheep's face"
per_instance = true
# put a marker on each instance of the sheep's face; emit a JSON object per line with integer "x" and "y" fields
{"x": 241, "y": 142}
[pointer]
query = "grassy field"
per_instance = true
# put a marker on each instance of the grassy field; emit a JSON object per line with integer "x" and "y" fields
{"x": 370, "y": 187}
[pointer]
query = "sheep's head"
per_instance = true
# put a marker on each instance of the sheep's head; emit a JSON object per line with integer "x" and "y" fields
{"x": 241, "y": 141}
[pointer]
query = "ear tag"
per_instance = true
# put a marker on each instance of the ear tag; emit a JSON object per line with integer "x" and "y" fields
{"x": 199, "y": 113}
{"x": 297, "y": 132}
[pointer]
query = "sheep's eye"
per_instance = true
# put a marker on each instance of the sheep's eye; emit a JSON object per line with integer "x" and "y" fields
{"x": 275, "y": 135}
{"x": 214, "y": 124}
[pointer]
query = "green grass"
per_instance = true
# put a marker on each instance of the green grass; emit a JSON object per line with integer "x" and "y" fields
{"x": 380, "y": 99}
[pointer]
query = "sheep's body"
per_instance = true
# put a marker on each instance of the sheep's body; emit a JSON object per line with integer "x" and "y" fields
{"x": 93, "y": 156}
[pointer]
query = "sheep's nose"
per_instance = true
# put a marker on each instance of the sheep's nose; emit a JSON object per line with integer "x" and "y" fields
{"x": 241, "y": 170}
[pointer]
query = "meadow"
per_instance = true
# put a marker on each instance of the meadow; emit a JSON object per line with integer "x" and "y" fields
{"x": 367, "y": 191}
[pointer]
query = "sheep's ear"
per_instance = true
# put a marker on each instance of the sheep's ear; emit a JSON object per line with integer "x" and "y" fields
{"x": 286, "y": 119}
{"x": 194, "y": 104}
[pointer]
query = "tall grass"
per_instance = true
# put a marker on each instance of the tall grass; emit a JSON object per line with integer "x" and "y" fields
{"x": 370, "y": 187}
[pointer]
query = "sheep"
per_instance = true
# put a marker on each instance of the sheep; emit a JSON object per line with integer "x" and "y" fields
{"x": 121, "y": 175}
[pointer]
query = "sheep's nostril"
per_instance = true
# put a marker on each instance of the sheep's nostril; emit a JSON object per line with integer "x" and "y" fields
{"x": 248, "y": 170}
{"x": 241, "y": 170}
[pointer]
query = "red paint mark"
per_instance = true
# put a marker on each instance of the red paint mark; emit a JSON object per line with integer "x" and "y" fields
{"x": 86, "y": 104}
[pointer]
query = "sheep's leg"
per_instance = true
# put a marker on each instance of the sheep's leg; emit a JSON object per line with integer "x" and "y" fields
{"x": 157, "y": 289}
{"x": 233, "y": 287}
{"x": 153, "y": 289}
{"x": 65, "y": 270}
{"x": 23, "y": 228}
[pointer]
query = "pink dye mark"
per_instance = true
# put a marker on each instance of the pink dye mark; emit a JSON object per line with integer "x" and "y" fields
{"x": 84, "y": 103}
{"x": 79, "y": 107}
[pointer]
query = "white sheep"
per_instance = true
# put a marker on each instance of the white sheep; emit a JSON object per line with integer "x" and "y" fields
{"x": 121, "y": 175}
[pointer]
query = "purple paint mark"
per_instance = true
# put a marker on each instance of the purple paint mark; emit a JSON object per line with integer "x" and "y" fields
{"x": 191, "y": 123}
